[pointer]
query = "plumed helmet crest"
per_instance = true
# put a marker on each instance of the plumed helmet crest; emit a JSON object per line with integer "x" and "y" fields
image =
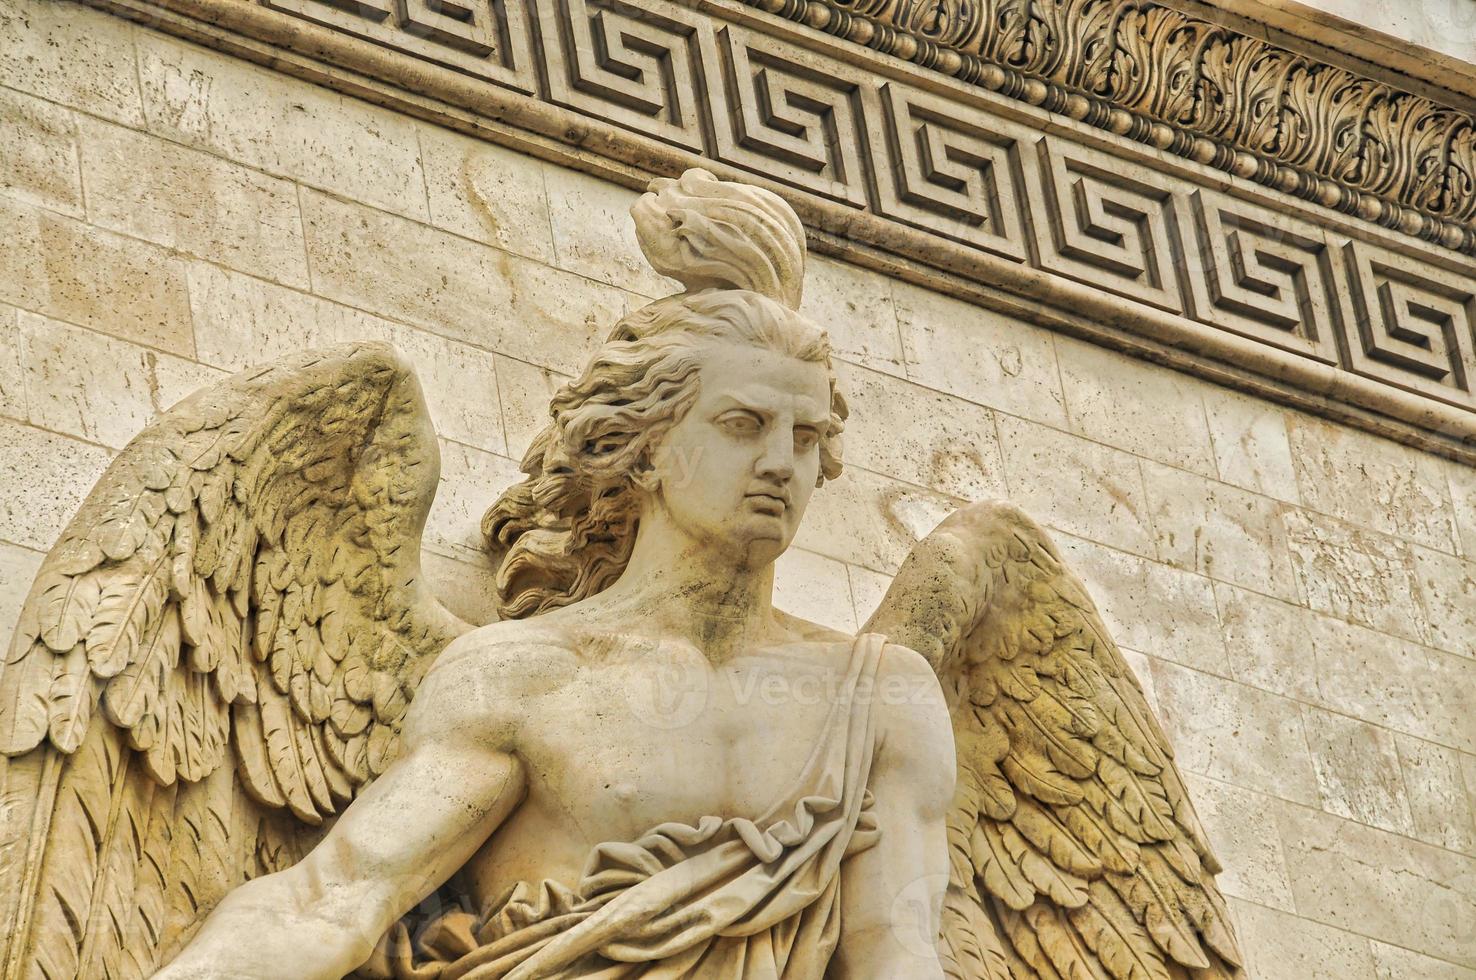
{"x": 715, "y": 234}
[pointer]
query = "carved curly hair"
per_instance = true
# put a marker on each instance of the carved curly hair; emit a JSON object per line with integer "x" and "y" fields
{"x": 566, "y": 531}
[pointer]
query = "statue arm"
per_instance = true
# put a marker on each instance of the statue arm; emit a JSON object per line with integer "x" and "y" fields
{"x": 892, "y": 893}
{"x": 414, "y": 827}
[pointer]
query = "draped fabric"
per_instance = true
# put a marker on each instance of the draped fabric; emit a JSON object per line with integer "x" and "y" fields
{"x": 722, "y": 898}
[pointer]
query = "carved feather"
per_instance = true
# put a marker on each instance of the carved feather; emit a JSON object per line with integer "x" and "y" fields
{"x": 1071, "y": 832}
{"x": 188, "y": 588}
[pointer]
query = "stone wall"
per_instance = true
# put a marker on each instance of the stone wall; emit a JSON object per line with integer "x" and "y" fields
{"x": 1298, "y": 597}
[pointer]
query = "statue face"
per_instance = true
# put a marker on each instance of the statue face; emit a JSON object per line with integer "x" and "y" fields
{"x": 737, "y": 470}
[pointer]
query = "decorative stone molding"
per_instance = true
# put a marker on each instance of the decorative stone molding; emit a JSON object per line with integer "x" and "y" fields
{"x": 1195, "y": 89}
{"x": 970, "y": 192}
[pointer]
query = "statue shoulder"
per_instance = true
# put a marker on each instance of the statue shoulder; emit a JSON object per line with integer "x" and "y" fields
{"x": 484, "y": 676}
{"x": 915, "y": 730}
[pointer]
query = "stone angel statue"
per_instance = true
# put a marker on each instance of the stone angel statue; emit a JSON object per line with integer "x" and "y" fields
{"x": 240, "y": 738}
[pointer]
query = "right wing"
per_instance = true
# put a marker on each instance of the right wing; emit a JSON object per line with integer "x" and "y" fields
{"x": 215, "y": 656}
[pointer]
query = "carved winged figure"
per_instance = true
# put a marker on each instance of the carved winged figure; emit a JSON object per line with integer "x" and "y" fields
{"x": 241, "y": 738}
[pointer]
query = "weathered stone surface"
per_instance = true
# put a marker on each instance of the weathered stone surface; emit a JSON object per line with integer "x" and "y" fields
{"x": 1158, "y": 610}
{"x": 65, "y": 392}
{"x": 1241, "y": 825}
{"x": 17, "y": 568}
{"x": 868, "y": 588}
{"x": 1439, "y": 802}
{"x": 38, "y": 153}
{"x": 69, "y": 54}
{"x": 1448, "y": 596}
{"x": 1252, "y": 450}
{"x": 871, "y": 520}
{"x": 1280, "y": 946}
{"x": 1235, "y": 734}
{"x": 468, "y": 477}
{"x": 455, "y": 287}
{"x": 460, "y": 381}
{"x": 1397, "y": 963}
{"x": 1218, "y": 530}
{"x": 57, "y": 472}
{"x": 1379, "y": 884}
{"x": 1463, "y": 493}
{"x": 592, "y": 235}
{"x": 189, "y": 200}
{"x": 857, "y": 311}
{"x": 954, "y": 347}
{"x": 94, "y": 278}
{"x": 950, "y": 446}
{"x": 1138, "y": 407}
{"x": 484, "y": 192}
{"x": 12, "y": 377}
{"x": 1358, "y": 773}
{"x": 1353, "y": 574}
{"x": 1081, "y": 487}
{"x": 468, "y": 589}
{"x": 815, "y": 588}
{"x": 1268, "y": 643}
{"x": 1372, "y": 482}
{"x": 274, "y": 124}
{"x": 525, "y": 390}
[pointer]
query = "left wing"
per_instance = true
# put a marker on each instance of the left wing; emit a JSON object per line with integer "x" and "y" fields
{"x": 1074, "y": 850}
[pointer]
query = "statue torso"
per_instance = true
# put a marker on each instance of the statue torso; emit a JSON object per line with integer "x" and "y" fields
{"x": 620, "y": 732}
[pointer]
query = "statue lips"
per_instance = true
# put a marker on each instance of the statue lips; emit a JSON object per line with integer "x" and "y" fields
{"x": 773, "y": 503}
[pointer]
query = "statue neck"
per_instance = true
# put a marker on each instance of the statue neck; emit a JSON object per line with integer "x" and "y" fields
{"x": 697, "y": 590}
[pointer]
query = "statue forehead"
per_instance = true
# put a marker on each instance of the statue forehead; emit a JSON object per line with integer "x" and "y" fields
{"x": 761, "y": 377}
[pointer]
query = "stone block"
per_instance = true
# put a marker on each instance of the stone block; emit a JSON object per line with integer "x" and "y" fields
{"x": 1218, "y": 530}
{"x": 467, "y": 588}
{"x": 1142, "y": 667}
{"x": 12, "y": 376}
{"x": 192, "y": 201}
{"x": 70, "y": 54}
{"x": 868, "y": 589}
{"x": 976, "y": 354}
{"x": 1447, "y": 587}
{"x": 85, "y": 275}
{"x": 594, "y": 236}
{"x": 1372, "y": 482}
{"x": 456, "y": 288}
{"x": 1379, "y": 884}
{"x": 1280, "y": 946}
{"x": 241, "y": 321}
{"x": 52, "y": 475}
{"x": 1463, "y": 494}
{"x": 525, "y": 391}
{"x": 947, "y": 444}
{"x": 471, "y": 480}
{"x": 486, "y": 192}
{"x": 1235, "y": 734}
{"x": 1146, "y": 409}
{"x": 1353, "y": 574}
{"x": 67, "y": 392}
{"x": 1439, "y": 803}
{"x": 855, "y": 307}
{"x": 1392, "y": 683}
{"x": 175, "y": 379}
{"x": 1156, "y": 609}
{"x": 1251, "y": 447}
{"x": 274, "y": 123}
{"x": 1242, "y": 831}
{"x": 18, "y": 566}
{"x": 38, "y": 153}
{"x": 1267, "y": 643}
{"x": 1358, "y": 774}
{"x": 870, "y": 520}
{"x": 1081, "y": 487}
{"x": 814, "y": 587}
{"x": 1397, "y": 963}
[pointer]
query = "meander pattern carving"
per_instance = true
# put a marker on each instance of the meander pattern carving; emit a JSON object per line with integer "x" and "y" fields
{"x": 955, "y": 169}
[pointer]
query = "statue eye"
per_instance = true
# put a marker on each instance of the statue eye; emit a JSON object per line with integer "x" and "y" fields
{"x": 805, "y": 438}
{"x": 741, "y": 423}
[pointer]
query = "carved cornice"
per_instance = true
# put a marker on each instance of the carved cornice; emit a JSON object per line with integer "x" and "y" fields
{"x": 921, "y": 177}
{"x": 1200, "y": 91}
